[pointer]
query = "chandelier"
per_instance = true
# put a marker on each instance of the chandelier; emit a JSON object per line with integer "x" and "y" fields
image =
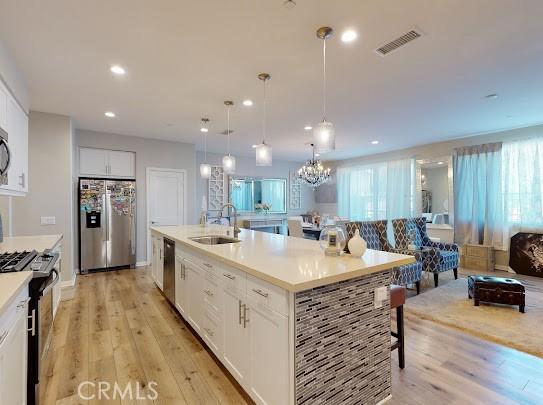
{"x": 312, "y": 173}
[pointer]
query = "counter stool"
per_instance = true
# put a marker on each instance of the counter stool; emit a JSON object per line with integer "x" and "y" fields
{"x": 397, "y": 299}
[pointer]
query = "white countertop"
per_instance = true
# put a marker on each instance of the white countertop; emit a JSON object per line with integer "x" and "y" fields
{"x": 38, "y": 243}
{"x": 10, "y": 285}
{"x": 295, "y": 264}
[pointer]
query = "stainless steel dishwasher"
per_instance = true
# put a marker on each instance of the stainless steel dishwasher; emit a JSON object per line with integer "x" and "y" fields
{"x": 169, "y": 270}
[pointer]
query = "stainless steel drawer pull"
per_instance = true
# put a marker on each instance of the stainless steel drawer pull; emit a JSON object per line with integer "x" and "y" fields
{"x": 3, "y": 337}
{"x": 23, "y": 303}
{"x": 260, "y": 292}
{"x": 208, "y": 293}
{"x": 210, "y": 266}
{"x": 245, "y": 319}
{"x": 239, "y": 311}
{"x": 32, "y": 328}
{"x": 230, "y": 276}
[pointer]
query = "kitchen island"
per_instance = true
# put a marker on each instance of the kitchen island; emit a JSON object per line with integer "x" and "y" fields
{"x": 292, "y": 325}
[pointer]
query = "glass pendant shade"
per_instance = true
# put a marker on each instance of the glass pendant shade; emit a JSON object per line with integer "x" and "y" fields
{"x": 324, "y": 137}
{"x": 205, "y": 170}
{"x": 229, "y": 164}
{"x": 263, "y": 155}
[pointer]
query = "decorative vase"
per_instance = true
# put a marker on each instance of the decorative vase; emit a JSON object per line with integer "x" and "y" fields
{"x": 332, "y": 240}
{"x": 357, "y": 245}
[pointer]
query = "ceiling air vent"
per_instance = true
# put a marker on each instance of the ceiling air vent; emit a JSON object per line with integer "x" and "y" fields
{"x": 399, "y": 42}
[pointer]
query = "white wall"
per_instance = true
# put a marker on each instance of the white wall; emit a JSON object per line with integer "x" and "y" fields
{"x": 49, "y": 184}
{"x": 149, "y": 153}
{"x": 12, "y": 78}
{"x": 245, "y": 166}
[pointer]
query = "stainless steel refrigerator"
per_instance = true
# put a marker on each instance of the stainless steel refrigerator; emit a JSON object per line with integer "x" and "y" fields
{"x": 107, "y": 224}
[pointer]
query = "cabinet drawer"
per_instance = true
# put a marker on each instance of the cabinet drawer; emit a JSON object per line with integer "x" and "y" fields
{"x": 479, "y": 251}
{"x": 233, "y": 280}
{"x": 267, "y": 294}
{"x": 212, "y": 295}
{"x": 9, "y": 315}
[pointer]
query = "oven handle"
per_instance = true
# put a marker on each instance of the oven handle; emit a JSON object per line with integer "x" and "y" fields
{"x": 8, "y": 162}
{"x": 52, "y": 284}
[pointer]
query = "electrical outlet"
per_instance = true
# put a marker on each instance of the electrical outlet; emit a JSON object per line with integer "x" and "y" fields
{"x": 48, "y": 221}
{"x": 379, "y": 296}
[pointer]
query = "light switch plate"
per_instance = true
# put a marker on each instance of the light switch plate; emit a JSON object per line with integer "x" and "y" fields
{"x": 48, "y": 220}
{"x": 380, "y": 295}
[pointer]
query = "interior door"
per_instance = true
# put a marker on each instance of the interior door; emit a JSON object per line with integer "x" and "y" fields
{"x": 165, "y": 199}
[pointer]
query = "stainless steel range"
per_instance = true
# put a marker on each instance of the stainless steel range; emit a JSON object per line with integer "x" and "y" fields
{"x": 40, "y": 308}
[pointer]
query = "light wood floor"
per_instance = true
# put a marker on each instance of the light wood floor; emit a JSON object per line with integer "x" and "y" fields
{"x": 120, "y": 328}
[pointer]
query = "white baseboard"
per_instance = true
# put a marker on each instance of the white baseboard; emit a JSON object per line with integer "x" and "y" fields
{"x": 142, "y": 264}
{"x": 67, "y": 289}
{"x": 385, "y": 400}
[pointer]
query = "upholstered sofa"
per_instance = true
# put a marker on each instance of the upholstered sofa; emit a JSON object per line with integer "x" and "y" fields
{"x": 375, "y": 235}
{"x": 437, "y": 257}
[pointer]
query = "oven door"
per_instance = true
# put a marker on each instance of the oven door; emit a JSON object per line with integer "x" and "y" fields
{"x": 5, "y": 157}
{"x": 45, "y": 316}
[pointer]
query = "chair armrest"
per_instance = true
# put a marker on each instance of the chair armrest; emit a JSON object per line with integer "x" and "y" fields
{"x": 418, "y": 254}
{"x": 452, "y": 247}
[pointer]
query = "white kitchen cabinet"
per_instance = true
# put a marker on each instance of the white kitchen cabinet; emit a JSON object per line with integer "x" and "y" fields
{"x": 195, "y": 295}
{"x": 107, "y": 163}
{"x": 158, "y": 262}
{"x": 3, "y": 107}
{"x": 181, "y": 286}
{"x": 13, "y": 353}
{"x": 16, "y": 126}
{"x": 236, "y": 338}
{"x": 268, "y": 354}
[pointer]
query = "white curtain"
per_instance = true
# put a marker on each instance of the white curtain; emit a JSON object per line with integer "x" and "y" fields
{"x": 522, "y": 185}
{"x": 478, "y": 205}
{"x": 377, "y": 191}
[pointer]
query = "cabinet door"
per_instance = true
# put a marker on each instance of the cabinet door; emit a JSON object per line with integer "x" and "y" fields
{"x": 236, "y": 339}
{"x": 195, "y": 297}
{"x": 93, "y": 162}
{"x": 17, "y": 127}
{"x": 122, "y": 164}
{"x": 160, "y": 264}
{"x": 13, "y": 362}
{"x": 3, "y": 107}
{"x": 268, "y": 353}
{"x": 153, "y": 258}
{"x": 181, "y": 290}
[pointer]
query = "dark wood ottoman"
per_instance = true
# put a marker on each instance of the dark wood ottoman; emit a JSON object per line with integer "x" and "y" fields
{"x": 497, "y": 290}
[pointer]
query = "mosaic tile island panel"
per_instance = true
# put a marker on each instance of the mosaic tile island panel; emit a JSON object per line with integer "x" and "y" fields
{"x": 342, "y": 343}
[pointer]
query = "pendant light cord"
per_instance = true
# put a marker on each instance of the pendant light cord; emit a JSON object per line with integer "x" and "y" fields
{"x": 324, "y": 79}
{"x": 228, "y": 130}
{"x": 205, "y": 147}
{"x": 264, "y": 114}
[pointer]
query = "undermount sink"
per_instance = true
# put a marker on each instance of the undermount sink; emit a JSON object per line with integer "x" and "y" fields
{"x": 214, "y": 240}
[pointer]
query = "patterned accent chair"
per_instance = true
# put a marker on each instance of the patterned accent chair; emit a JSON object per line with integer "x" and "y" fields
{"x": 375, "y": 235}
{"x": 438, "y": 257}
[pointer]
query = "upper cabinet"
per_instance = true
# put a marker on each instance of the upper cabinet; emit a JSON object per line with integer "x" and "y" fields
{"x": 14, "y": 122}
{"x": 107, "y": 163}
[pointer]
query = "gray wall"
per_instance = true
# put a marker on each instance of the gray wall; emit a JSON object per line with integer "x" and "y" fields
{"x": 149, "y": 153}
{"x": 245, "y": 166}
{"x": 50, "y": 179}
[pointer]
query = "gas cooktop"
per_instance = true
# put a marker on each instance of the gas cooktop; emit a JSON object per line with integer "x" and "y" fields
{"x": 15, "y": 261}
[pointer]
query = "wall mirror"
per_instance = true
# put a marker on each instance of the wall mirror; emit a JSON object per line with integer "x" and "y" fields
{"x": 435, "y": 188}
{"x": 253, "y": 195}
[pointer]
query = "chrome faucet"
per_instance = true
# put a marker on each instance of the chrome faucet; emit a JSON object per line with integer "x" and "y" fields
{"x": 230, "y": 205}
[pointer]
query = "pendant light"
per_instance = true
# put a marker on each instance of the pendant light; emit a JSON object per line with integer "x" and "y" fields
{"x": 228, "y": 161}
{"x": 264, "y": 151}
{"x": 205, "y": 168}
{"x": 324, "y": 136}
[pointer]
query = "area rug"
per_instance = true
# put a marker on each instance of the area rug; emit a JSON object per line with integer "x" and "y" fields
{"x": 449, "y": 305}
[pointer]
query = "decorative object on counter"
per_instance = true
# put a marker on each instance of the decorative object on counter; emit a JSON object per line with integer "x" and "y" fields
{"x": 332, "y": 240}
{"x": 263, "y": 208}
{"x": 357, "y": 245}
{"x": 312, "y": 173}
{"x": 324, "y": 135}
{"x": 216, "y": 189}
{"x": 295, "y": 194}
{"x": 264, "y": 151}
{"x": 205, "y": 168}
{"x": 228, "y": 161}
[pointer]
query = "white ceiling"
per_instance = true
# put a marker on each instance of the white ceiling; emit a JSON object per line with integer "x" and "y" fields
{"x": 185, "y": 57}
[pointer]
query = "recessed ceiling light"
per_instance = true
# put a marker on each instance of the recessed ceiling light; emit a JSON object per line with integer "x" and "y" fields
{"x": 247, "y": 103}
{"x": 492, "y": 96}
{"x": 439, "y": 163}
{"x": 118, "y": 70}
{"x": 308, "y": 127}
{"x": 109, "y": 114}
{"x": 374, "y": 142}
{"x": 349, "y": 36}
